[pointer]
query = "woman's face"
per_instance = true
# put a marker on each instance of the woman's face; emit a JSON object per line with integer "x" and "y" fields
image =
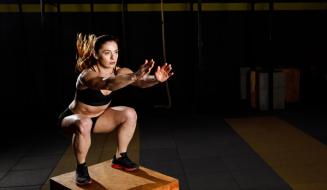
{"x": 107, "y": 55}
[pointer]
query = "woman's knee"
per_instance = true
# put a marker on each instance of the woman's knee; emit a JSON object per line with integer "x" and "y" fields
{"x": 130, "y": 114}
{"x": 83, "y": 125}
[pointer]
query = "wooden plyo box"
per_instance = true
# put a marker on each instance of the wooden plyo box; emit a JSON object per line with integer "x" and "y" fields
{"x": 104, "y": 177}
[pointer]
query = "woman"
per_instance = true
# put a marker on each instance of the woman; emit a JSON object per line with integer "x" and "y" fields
{"x": 89, "y": 112}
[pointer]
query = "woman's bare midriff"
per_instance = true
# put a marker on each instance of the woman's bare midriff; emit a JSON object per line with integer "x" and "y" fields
{"x": 87, "y": 110}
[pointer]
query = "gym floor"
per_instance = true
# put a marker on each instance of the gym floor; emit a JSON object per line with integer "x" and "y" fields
{"x": 284, "y": 150}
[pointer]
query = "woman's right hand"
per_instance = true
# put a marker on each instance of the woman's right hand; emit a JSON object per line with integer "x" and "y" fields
{"x": 144, "y": 69}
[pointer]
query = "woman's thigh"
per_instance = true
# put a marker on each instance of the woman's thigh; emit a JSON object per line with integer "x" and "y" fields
{"x": 75, "y": 122}
{"x": 111, "y": 118}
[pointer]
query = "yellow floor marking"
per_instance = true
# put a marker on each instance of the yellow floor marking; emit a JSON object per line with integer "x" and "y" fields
{"x": 294, "y": 155}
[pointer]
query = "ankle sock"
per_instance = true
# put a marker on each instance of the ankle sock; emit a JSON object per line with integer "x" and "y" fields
{"x": 80, "y": 166}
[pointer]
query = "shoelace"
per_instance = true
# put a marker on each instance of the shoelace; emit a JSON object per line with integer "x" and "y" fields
{"x": 127, "y": 160}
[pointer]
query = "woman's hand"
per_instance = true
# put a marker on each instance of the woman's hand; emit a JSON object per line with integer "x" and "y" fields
{"x": 144, "y": 69}
{"x": 163, "y": 73}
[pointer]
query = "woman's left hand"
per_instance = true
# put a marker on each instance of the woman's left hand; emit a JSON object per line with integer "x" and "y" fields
{"x": 163, "y": 73}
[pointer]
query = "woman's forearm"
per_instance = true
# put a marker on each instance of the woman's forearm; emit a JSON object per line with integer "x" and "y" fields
{"x": 148, "y": 81}
{"x": 120, "y": 81}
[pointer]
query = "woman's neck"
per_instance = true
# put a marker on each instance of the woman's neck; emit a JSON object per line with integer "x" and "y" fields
{"x": 104, "y": 71}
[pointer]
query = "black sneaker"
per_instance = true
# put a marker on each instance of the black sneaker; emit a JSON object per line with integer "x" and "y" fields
{"x": 124, "y": 163}
{"x": 82, "y": 175}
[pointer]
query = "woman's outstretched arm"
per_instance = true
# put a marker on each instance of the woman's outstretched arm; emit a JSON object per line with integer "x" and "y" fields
{"x": 121, "y": 80}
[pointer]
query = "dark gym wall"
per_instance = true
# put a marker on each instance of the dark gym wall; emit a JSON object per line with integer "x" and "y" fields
{"x": 38, "y": 56}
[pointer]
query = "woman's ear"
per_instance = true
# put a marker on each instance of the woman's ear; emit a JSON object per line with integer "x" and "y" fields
{"x": 95, "y": 55}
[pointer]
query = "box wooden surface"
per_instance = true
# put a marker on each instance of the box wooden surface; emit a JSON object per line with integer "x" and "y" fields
{"x": 105, "y": 177}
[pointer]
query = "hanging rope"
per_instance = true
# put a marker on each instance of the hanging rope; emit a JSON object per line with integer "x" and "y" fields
{"x": 92, "y": 15}
{"x": 124, "y": 34}
{"x": 164, "y": 55}
{"x": 163, "y": 31}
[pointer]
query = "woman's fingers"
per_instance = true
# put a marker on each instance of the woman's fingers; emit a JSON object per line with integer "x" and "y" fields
{"x": 151, "y": 64}
{"x": 145, "y": 63}
{"x": 168, "y": 67}
{"x": 165, "y": 66}
{"x": 148, "y": 64}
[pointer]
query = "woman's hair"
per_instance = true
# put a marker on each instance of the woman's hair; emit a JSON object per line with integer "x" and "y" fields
{"x": 86, "y": 45}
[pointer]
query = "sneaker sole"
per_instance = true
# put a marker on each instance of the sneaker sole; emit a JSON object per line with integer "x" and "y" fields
{"x": 116, "y": 166}
{"x": 83, "y": 184}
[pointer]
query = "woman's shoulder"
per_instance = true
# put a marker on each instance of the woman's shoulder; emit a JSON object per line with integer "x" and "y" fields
{"x": 88, "y": 73}
{"x": 85, "y": 75}
{"x": 123, "y": 70}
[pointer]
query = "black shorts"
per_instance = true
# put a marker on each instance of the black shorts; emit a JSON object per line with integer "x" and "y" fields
{"x": 68, "y": 112}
